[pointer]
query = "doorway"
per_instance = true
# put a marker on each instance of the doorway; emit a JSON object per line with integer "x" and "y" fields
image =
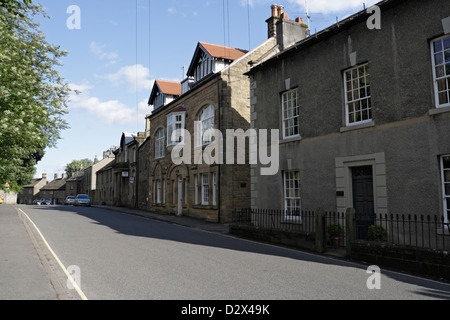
{"x": 363, "y": 199}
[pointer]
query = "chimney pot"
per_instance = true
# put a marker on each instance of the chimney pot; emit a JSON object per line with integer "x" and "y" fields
{"x": 285, "y": 16}
{"x": 280, "y": 11}
{"x": 299, "y": 20}
{"x": 274, "y": 8}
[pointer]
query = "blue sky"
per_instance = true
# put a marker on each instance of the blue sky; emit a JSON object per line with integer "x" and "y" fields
{"x": 123, "y": 45}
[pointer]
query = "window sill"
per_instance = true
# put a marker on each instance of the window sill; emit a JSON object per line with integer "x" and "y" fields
{"x": 440, "y": 110}
{"x": 293, "y": 139}
{"x": 205, "y": 207}
{"x": 358, "y": 126}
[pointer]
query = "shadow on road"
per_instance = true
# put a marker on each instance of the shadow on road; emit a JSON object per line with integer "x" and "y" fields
{"x": 146, "y": 227}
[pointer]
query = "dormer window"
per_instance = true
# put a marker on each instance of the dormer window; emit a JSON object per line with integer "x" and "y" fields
{"x": 163, "y": 93}
{"x": 204, "y": 67}
{"x": 211, "y": 58}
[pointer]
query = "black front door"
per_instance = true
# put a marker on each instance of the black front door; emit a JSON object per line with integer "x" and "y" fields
{"x": 363, "y": 199}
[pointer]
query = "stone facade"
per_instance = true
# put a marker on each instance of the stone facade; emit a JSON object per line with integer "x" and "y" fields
{"x": 198, "y": 189}
{"x": 403, "y": 139}
{"x": 30, "y": 192}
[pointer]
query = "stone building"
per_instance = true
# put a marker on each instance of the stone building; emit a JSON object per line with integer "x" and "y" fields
{"x": 89, "y": 182}
{"x": 30, "y": 192}
{"x": 54, "y": 191}
{"x": 75, "y": 184}
{"x": 193, "y": 181}
{"x": 104, "y": 193}
{"x": 124, "y": 171}
{"x": 363, "y": 115}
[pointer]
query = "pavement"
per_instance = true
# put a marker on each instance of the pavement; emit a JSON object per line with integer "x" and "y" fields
{"x": 26, "y": 271}
{"x": 23, "y": 274}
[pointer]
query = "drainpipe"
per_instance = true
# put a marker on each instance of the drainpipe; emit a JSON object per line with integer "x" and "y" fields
{"x": 219, "y": 108}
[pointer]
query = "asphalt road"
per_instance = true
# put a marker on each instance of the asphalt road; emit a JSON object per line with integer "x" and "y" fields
{"x": 123, "y": 257}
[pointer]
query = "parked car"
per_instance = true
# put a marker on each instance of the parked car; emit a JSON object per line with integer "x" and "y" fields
{"x": 1, "y": 200}
{"x": 82, "y": 200}
{"x": 46, "y": 203}
{"x": 37, "y": 202}
{"x": 70, "y": 200}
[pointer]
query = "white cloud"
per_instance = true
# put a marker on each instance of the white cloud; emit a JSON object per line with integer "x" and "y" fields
{"x": 112, "y": 112}
{"x": 318, "y": 6}
{"x": 110, "y": 57}
{"x": 136, "y": 77}
{"x": 334, "y": 6}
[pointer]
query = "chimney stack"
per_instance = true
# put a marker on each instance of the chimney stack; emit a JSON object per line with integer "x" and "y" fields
{"x": 44, "y": 176}
{"x": 55, "y": 176}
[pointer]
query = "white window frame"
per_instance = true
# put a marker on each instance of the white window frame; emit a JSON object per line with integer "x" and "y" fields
{"x": 291, "y": 191}
{"x": 176, "y": 121}
{"x": 160, "y": 143}
{"x": 445, "y": 174}
{"x": 290, "y": 114}
{"x": 205, "y": 189}
{"x": 206, "y": 124}
{"x": 158, "y": 191}
{"x": 355, "y": 104}
{"x": 438, "y": 78}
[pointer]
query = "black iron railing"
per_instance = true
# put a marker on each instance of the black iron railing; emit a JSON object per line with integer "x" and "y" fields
{"x": 421, "y": 231}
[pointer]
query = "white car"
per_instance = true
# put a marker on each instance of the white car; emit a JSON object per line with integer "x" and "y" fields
{"x": 82, "y": 200}
{"x": 70, "y": 200}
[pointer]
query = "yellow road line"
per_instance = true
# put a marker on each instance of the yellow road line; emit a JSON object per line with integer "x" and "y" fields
{"x": 72, "y": 281}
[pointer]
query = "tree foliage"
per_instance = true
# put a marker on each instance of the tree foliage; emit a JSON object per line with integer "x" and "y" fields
{"x": 77, "y": 165}
{"x": 33, "y": 96}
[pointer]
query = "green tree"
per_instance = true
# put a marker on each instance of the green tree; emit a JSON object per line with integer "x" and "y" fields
{"x": 77, "y": 165}
{"x": 33, "y": 96}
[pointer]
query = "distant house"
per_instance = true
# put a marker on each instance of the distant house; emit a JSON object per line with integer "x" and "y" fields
{"x": 89, "y": 182}
{"x": 30, "y": 192}
{"x": 54, "y": 191}
{"x": 124, "y": 170}
{"x": 74, "y": 184}
{"x": 103, "y": 178}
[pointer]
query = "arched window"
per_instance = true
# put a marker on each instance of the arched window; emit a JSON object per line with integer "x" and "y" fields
{"x": 206, "y": 123}
{"x": 159, "y": 143}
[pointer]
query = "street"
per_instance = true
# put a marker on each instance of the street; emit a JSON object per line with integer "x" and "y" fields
{"x": 115, "y": 256}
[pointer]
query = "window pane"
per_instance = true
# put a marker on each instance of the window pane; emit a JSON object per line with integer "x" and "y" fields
{"x": 440, "y": 71}
{"x": 442, "y": 84}
{"x": 437, "y": 46}
{"x": 446, "y": 161}
{"x": 443, "y": 98}
{"x": 447, "y": 68}
{"x": 447, "y": 56}
{"x": 349, "y": 85}
{"x": 349, "y": 96}
{"x": 447, "y": 190}
{"x": 439, "y": 59}
{"x": 351, "y": 118}
{"x": 447, "y": 43}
